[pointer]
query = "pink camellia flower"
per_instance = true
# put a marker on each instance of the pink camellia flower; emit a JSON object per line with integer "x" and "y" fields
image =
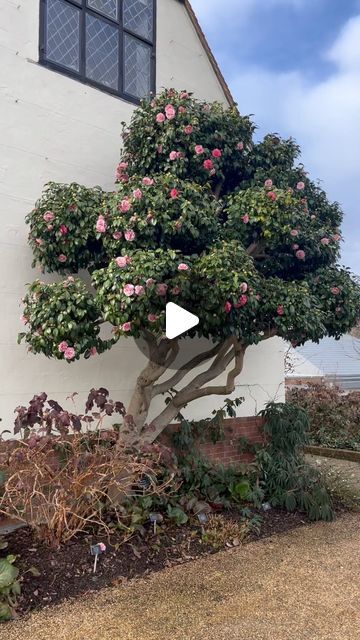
{"x": 300, "y": 254}
{"x": 184, "y": 95}
{"x": 170, "y": 112}
{"x": 268, "y": 183}
{"x": 245, "y": 218}
{"x": 137, "y": 193}
{"x": 102, "y": 547}
{"x": 129, "y": 235}
{"x": 148, "y": 182}
{"x": 216, "y": 153}
{"x": 173, "y": 155}
{"x": 160, "y": 117}
{"x": 63, "y": 229}
{"x": 227, "y": 307}
{"x": 120, "y": 169}
{"x": 243, "y": 300}
{"x": 240, "y": 146}
{"x": 101, "y": 225}
{"x": 93, "y": 351}
{"x": 325, "y": 241}
{"x": 24, "y": 319}
{"x": 121, "y": 262}
{"x": 294, "y": 233}
{"x": 62, "y": 346}
{"x": 336, "y": 237}
{"x": 139, "y": 290}
{"x": 124, "y": 205}
{"x": 152, "y": 317}
{"x": 126, "y": 327}
{"x": 295, "y": 247}
{"x": 300, "y": 186}
{"x": 335, "y": 291}
{"x": 129, "y": 290}
{"x": 175, "y": 291}
{"x": 174, "y": 193}
{"x": 117, "y": 235}
{"x": 271, "y": 195}
{"x": 69, "y": 353}
{"x": 199, "y": 149}
{"x": 149, "y": 282}
{"x": 180, "y": 154}
{"x": 161, "y": 289}
{"x": 243, "y": 287}
{"x": 62, "y": 258}
{"x": 183, "y": 267}
{"x": 188, "y": 129}
{"x": 182, "y": 109}
{"x": 208, "y": 165}
{"x": 280, "y": 310}
{"x": 39, "y": 241}
{"x": 48, "y": 216}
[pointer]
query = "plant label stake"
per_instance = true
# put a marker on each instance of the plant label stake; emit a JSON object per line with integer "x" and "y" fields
{"x": 154, "y": 518}
{"x": 96, "y": 550}
{"x": 202, "y": 517}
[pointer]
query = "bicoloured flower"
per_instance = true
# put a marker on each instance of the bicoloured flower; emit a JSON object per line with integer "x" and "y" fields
{"x": 63, "y": 229}
{"x": 245, "y": 218}
{"x": 129, "y": 290}
{"x": 170, "y": 112}
{"x": 48, "y": 216}
{"x": 148, "y": 182}
{"x": 199, "y": 149}
{"x": 129, "y": 235}
{"x": 101, "y": 225}
{"x": 161, "y": 289}
{"x": 69, "y": 353}
{"x": 300, "y": 254}
{"x": 122, "y": 262}
{"x": 139, "y": 290}
{"x": 62, "y": 346}
{"x": 188, "y": 129}
{"x": 183, "y": 267}
{"x": 137, "y": 193}
{"x": 152, "y": 317}
{"x": 62, "y": 258}
{"x": 268, "y": 183}
{"x": 216, "y": 153}
{"x": 300, "y": 186}
{"x": 117, "y": 235}
{"x": 126, "y": 327}
{"x": 160, "y": 117}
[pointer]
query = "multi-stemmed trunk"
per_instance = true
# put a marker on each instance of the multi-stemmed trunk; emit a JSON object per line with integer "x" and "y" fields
{"x": 150, "y": 383}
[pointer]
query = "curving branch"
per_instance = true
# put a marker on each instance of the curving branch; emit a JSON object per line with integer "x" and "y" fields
{"x": 181, "y": 373}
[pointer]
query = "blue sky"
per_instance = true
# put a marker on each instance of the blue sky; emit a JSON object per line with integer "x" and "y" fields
{"x": 295, "y": 65}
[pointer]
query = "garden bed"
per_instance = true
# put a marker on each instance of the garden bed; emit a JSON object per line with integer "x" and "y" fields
{"x": 68, "y": 572}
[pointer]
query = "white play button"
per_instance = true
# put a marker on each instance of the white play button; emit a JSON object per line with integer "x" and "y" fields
{"x": 178, "y": 320}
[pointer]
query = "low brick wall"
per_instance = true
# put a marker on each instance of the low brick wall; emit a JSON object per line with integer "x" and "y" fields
{"x": 226, "y": 451}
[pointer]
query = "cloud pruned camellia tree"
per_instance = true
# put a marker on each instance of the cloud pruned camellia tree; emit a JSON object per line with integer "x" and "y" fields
{"x": 230, "y": 229}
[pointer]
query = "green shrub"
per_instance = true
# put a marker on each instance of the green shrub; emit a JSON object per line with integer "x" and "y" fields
{"x": 334, "y": 415}
{"x": 288, "y": 481}
{"x": 9, "y": 584}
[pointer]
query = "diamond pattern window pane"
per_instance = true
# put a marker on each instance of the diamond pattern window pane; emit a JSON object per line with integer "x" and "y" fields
{"x": 137, "y": 67}
{"x": 62, "y": 34}
{"x": 139, "y": 18}
{"x": 102, "y": 52}
{"x": 107, "y": 7}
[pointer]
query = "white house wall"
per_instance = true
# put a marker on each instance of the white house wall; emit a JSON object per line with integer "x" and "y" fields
{"x": 55, "y": 128}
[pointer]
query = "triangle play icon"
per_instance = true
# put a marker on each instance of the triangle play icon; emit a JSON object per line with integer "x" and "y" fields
{"x": 178, "y": 320}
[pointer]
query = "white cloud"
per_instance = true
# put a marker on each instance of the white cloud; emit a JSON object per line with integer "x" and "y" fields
{"x": 323, "y": 117}
{"x": 213, "y": 13}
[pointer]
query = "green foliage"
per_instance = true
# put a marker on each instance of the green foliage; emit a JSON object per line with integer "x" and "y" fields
{"x": 9, "y": 587}
{"x": 340, "y": 485}
{"x": 288, "y": 481}
{"x": 148, "y": 144}
{"x": 62, "y": 313}
{"x": 170, "y": 214}
{"x": 62, "y": 228}
{"x": 334, "y": 415}
{"x": 233, "y": 230}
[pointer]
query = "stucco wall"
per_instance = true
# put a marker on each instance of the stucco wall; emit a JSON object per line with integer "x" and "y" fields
{"x": 54, "y": 128}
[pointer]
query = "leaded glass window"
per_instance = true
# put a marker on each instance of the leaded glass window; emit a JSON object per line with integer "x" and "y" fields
{"x": 106, "y": 43}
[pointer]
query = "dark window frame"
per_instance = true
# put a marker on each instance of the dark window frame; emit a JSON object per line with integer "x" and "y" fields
{"x": 84, "y": 9}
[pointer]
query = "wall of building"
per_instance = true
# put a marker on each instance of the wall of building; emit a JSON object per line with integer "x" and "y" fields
{"x": 55, "y": 128}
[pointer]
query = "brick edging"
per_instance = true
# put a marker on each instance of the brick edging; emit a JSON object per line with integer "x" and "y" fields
{"x": 340, "y": 454}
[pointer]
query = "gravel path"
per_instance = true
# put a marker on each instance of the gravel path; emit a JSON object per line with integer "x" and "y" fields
{"x": 303, "y": 585}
